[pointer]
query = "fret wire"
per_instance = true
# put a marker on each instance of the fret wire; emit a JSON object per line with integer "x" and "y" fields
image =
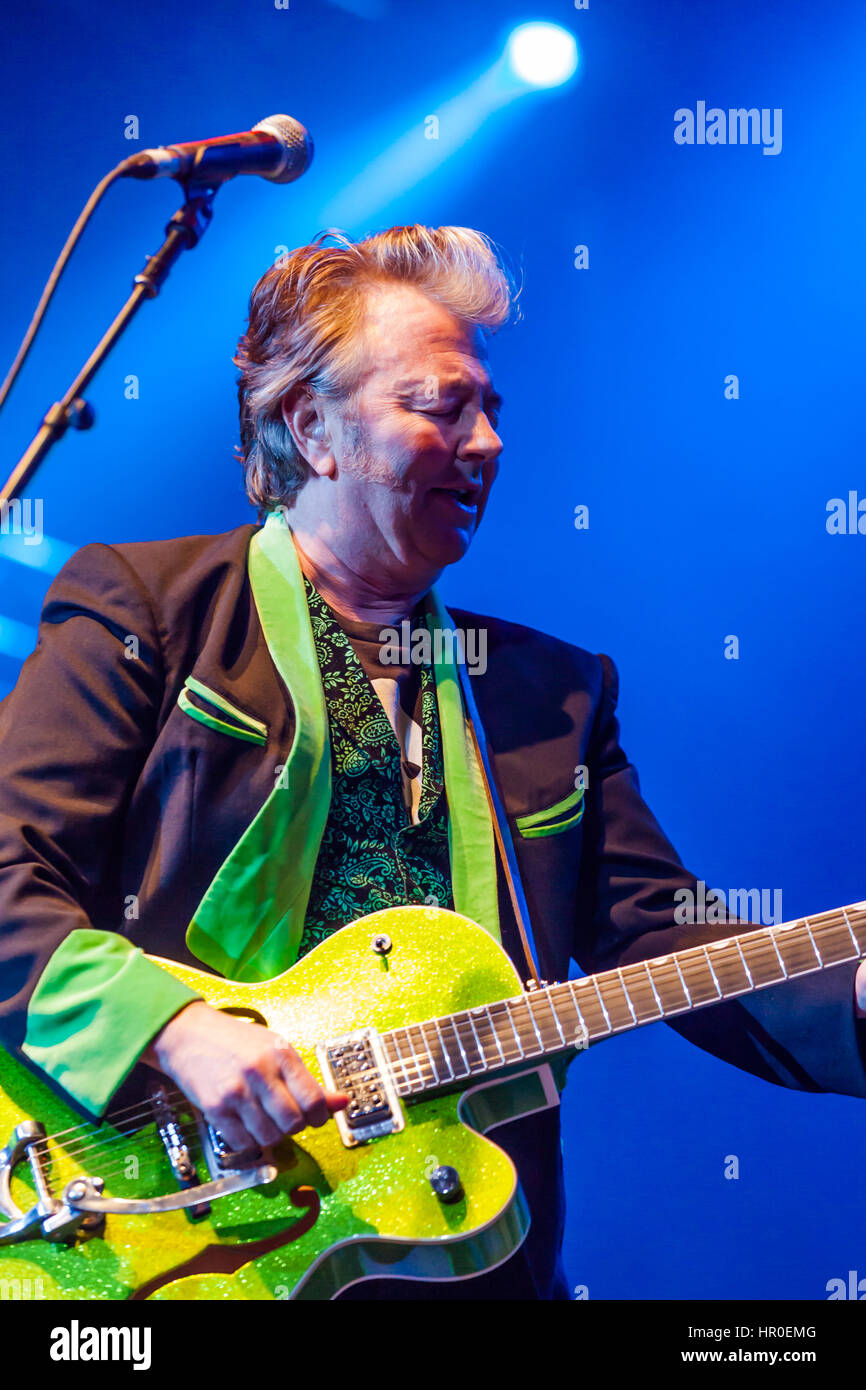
{"x": 414, "y": 1059}
{"x": 736, "y": 940}
{"x": 848, "y": 925}
{"x": 818, "y": 957}
{"x": 771, "y": 934}
{"x": 455, "y": 1020}
{"x": 424, "y": 1061}
{"x": 440, "y": 1080}
{"x": 627, "y": 995}
{"x": 694, "y": 959}
{"x": 481, "y": 1051}
{"x": 719, "y": 990}
{"x": 392, "y": 1037}
{"x": 446, "y": 1056}
{"x": 576, "y": 1030}
{"x": 392, "y": 1045}
{"x": 682, "y": 979}
{"x": 527, "y": 1007}
{"x": 494, "y": 1028}
{"x": 586, "y": 1034}
{"x": 797, "y": 938}
{"x": 439, "y": 1055}
{"x": 756, "y": 941}
{"x": 532, "y": 1020}
{"x": 662, "y": 977}
{"x": 507, "y": 1004}
{"x": 649, "y": 973}
{"x": 548, "y": 997}
{"x": 610, "y": 978}
{"x": 861, "y": 947}
{"x": 834, "y": 936}
{"x": 634, "y": 987}
{"x": 594, "y": 982}
{"x": 427, "y": 1056}
{"x": 731, "y": 965}
{"x": 481, "y": 1047}
{"x": 452, "y": 1020}
{"x": 486, "y": 1010}
{"x": 422, "y": 1079}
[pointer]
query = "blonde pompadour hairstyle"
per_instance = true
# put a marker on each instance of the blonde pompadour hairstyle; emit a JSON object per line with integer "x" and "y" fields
{"x": 305, "y": 325}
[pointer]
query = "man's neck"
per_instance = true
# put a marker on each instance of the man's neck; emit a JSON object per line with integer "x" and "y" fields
{"x": 350, "y": 593}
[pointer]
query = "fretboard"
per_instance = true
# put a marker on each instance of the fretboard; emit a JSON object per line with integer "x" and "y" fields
{"x": 562, "y": 1017}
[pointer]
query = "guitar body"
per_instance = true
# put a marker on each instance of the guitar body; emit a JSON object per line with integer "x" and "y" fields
{"x": 334, "y": 1214}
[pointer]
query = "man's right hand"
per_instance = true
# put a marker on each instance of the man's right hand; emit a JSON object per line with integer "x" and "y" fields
{"x": 249, "y": 1083}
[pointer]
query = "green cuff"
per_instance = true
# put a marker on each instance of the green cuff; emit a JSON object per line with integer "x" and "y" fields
{"x": 98, "y": 1004}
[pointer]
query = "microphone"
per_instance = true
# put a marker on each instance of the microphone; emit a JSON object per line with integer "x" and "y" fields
{"x": 279, "y": 148}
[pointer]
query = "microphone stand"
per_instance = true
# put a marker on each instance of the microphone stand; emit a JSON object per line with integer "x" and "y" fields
{"x": 184, "y": 231}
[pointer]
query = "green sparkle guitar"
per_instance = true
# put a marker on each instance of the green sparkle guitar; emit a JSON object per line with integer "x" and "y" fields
{"x": 420, "y": 1016}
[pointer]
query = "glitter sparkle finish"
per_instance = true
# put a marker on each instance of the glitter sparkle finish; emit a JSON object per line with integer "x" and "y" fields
{"x": 334, "y": 1214}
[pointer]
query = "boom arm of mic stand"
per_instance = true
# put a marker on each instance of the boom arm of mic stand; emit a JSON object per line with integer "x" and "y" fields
{"x": 184, "y": 231}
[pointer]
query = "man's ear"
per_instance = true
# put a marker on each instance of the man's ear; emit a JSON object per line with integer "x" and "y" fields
{"x": 304, "y": 420}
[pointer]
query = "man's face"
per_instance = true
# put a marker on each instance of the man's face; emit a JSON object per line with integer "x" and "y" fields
{"x": 415, "y": 448}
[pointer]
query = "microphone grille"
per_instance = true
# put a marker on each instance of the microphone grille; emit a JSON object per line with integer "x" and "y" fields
{"x": 297, "y": 143}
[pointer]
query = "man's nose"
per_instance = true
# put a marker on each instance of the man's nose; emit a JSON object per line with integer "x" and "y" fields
{"x": 483, "y": 442}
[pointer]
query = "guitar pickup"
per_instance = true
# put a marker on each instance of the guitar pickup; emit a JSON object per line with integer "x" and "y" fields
{"x": 356, "y": 1065}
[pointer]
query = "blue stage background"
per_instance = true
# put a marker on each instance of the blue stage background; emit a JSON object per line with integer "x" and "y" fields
{"x": 707, "y": 515}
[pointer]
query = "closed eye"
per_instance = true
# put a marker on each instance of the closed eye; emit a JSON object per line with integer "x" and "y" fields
{"x": 454, "y": 413}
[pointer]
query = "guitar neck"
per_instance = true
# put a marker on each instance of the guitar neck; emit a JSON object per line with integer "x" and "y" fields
{"x": 561, "y": 1017}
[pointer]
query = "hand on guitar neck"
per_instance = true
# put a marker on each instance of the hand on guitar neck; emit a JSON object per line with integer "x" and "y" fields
{"x": 249, "y": 1083}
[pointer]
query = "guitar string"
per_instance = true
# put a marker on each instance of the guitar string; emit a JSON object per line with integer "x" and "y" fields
{"x": 147, "y": 1142}
{"x": 636, "y": 979}
{"x": 76, "y": 1153}
{"x": 150, "y": 1148}
{"x": 425, "y": 1065}
{"x": 145, "y": 1110}
{"x": 152, "y": 1142}
{"x": 112, "y": 1118}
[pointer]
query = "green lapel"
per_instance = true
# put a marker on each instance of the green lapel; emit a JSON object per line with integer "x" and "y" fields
{"x": 249, "y": 924}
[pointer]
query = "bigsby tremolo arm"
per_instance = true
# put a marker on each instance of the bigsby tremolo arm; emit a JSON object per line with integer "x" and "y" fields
{"x": 82, "y": 1208}
{"x": 79, "y": 1198}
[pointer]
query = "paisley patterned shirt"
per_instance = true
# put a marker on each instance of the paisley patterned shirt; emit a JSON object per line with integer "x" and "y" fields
{"x": 372, "y": 855}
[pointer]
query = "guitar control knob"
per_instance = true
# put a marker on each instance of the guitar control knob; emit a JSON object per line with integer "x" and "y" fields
{"x": 446, "y": 1183}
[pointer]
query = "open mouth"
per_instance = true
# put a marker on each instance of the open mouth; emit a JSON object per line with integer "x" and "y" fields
{"x": 467, "y": 496}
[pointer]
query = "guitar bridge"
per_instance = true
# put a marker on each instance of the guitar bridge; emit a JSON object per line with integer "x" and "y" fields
{"x": 81, "y": 1209}
{"x": 356, "y": 1065}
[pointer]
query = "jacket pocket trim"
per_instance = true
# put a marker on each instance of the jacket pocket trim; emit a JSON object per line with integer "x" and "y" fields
{"x": 541, "y": 823}
{"x": 247, "y": 729}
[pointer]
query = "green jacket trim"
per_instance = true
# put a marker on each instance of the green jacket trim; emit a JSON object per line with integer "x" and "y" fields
{"x": 212, "y": 697}
{"x": 221, "y": 725}
{"x": 250, "y": 922}
{"x": 248, "y": 926}
{"x": 546, "y": 823}
{"x": 82, "y": 1028}
{"x": 470, "y": 829}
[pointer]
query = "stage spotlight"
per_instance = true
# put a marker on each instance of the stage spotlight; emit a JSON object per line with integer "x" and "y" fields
{"x": 542, "y": 55}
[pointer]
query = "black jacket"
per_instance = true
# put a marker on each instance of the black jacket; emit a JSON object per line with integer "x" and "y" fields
{"x": 110, "y": 791}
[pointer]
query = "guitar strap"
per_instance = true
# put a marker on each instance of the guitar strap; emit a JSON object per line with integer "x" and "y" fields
{"x": 501, "y": 831}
